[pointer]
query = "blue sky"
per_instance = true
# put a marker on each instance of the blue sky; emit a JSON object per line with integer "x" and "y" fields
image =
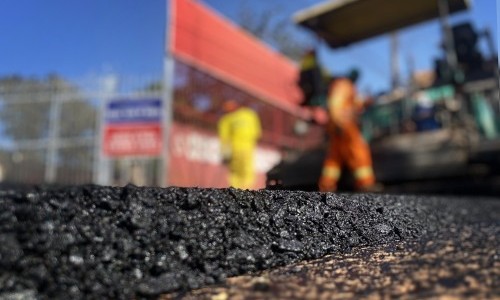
{"x": 75, "y": 38}
{"x": 81, "y": 38}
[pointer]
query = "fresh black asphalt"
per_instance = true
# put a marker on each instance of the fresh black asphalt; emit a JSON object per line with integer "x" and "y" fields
{"x": 92, "y": 242}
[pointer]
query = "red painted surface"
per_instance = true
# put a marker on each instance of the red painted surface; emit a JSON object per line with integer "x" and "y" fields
{"x": 206, "y": 40}
{"x": 133, "y": 140}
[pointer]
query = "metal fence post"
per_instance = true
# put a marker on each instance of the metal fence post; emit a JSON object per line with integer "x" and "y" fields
{"x": 167, "y": 95}
{"x": 167, "y": 118}
{"x": 53, "y": 138}
{"x": 101, "y": 162}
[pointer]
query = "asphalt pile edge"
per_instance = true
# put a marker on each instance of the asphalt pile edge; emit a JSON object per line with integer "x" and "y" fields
{"x": 132, "y": 242}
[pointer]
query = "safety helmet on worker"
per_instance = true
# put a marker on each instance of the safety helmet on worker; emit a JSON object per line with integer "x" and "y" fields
{"x": 230, "y": 105}
{"x": 353, "y": 75}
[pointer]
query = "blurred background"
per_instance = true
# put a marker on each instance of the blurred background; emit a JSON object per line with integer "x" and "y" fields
{"x": 127, "y": 91}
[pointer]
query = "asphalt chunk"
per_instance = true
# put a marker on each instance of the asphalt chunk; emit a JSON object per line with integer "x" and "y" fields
{"x": 132, "y": 242}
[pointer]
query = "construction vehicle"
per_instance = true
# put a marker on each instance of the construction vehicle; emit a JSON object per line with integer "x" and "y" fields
{"x": 464, "y": 136}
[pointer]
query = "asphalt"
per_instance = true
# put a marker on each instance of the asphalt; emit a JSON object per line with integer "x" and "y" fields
{"x": 461, "y": 262}
{"x": 92, "y": 242}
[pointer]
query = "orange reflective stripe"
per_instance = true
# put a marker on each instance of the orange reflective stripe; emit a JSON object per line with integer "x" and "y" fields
{"x": 331, "y": 172}
{"x": 363, "y": 172}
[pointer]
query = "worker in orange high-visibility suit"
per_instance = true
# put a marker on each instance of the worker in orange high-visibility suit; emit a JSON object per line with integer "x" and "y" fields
{"x": 239, "y": 130}
{"x": 346, "y": 145}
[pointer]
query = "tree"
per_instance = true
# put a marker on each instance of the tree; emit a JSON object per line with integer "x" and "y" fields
{"x": 276, "y": 29}
{"x": 26, "y": 102}
{"x": 25, "y": 116}
{"x": 155, "y": 86}
{"x": 25, "y": 108}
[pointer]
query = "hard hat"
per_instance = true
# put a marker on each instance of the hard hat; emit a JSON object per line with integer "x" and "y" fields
{"x": 353, "y": 75}
{"x": 230, "y": 105}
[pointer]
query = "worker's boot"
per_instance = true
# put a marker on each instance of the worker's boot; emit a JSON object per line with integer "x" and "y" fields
{"x": 373, "y": 188}
{"x": 327, "y": 185}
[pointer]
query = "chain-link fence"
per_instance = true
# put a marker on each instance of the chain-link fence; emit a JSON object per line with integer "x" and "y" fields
{"x": 50, "y": 128}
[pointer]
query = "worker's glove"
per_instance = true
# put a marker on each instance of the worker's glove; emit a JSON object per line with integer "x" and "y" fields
{"x": 226, "y": 155}
{"x": 334, "y": 129}
{"x": 226, "y": 160}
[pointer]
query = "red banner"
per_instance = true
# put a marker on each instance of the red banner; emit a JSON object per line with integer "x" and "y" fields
{"x": 202, "y": 38}
{"x": 132, "y": 140}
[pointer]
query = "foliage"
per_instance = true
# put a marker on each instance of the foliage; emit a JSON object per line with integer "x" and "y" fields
{"x": 26, "y": 103}
{"x": 25, "y": 116}
{"x": 276, "y": 29}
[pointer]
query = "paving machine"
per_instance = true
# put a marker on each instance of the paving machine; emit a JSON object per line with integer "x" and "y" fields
{"x": 448, "y": 128}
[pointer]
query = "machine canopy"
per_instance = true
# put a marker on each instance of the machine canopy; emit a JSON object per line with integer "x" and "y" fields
{"x": 343, "y": 22}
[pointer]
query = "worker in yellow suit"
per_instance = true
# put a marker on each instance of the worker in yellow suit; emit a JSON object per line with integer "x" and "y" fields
{"x": 239, "y": 130}
{"x": 346, "y": 144}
